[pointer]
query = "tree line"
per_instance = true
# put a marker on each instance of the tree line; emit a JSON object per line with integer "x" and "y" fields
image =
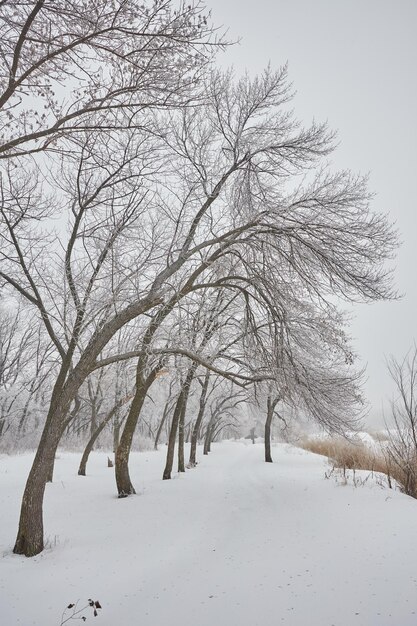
{"x": 161, "y": 218}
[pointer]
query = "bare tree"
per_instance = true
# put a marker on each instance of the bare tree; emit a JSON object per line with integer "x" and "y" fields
{"x": 168, "y": 407}
{"x": 199, "y": 419}
{"x": 75, "y": 66}
{"x": 144, "y": 379}
{"x": 402, "y": 448}
{"x": 97, "y": 432}
{"x": 222, "y": 412}
{"x": 201, "y": 323}
{"x": 25, "y": 366}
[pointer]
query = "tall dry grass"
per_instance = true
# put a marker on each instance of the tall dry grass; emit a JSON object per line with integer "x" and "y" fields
{"x": 355, "y": 455}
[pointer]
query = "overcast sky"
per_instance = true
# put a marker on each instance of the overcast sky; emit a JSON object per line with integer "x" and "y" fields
{"x": 353, "y": 63}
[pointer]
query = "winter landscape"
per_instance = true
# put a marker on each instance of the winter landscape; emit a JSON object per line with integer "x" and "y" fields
{"x": 208, "y": 367}
{"x": 233, "y": 541}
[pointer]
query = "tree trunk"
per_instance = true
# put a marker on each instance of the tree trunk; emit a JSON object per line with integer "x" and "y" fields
{"x": 181, "y": 439}
{"x": 90, "y": 445}
{"x": 270, "y": 408}
{"x": 50, "y": 476}
{"x": 179, "y": 408}
{"x": 188, "y": 431}
{"x": 205, "y": 446}
{"x": 84, "y": 459}
{"x": 70, "y": 418}
{"x": 161, "y": 424}
{"x": 123, "y": 482}
{"x": 116, "y": 435}
{"x": 199, "y": 420}
{"x": 171, "y": 440}
{"x": 26, "y": 408}
{"x": 207, "y": 438}
{"x": 93, "y": 422}
{"x": 268, "y": 422}
{"x": 29, "y": 539}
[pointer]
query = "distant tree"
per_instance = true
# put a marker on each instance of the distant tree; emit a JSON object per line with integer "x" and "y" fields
{"x": 222, "y": 411}
{"x": 199, "y": 325}
{"x": 25, "y": 367}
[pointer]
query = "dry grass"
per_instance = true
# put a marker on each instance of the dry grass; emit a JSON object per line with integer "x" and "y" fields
{"x": 345, "y": 454}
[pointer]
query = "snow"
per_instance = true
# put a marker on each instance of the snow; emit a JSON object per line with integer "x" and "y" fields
{"x": 358, "y": 437}
{"x": 233, "y": 541}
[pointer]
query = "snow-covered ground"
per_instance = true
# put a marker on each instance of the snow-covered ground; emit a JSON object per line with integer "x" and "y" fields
{"x": 234, "y": 541}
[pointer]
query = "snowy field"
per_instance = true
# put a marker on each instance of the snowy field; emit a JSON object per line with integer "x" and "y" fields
{"x": 234, "y": 541}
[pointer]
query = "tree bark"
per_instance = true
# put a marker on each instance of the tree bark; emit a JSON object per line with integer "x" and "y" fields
{"x": 171, "y": 439}
{"x": 123, "y": 482}
{"x": 268, "y": 422}
{"x": 50, "y": 476}
{"x": 29, "y": 539}
{"x": 207, "y": 438}
{"x": 270, "y": 408}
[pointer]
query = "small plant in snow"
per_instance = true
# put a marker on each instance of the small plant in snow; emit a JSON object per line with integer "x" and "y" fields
{"x": 76, "y": 613}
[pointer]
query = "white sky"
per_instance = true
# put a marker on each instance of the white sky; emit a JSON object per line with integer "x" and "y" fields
{"x": 353, "y": 63}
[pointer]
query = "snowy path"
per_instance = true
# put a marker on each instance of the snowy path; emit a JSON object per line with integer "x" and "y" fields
{"x": 234, "y": 541}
